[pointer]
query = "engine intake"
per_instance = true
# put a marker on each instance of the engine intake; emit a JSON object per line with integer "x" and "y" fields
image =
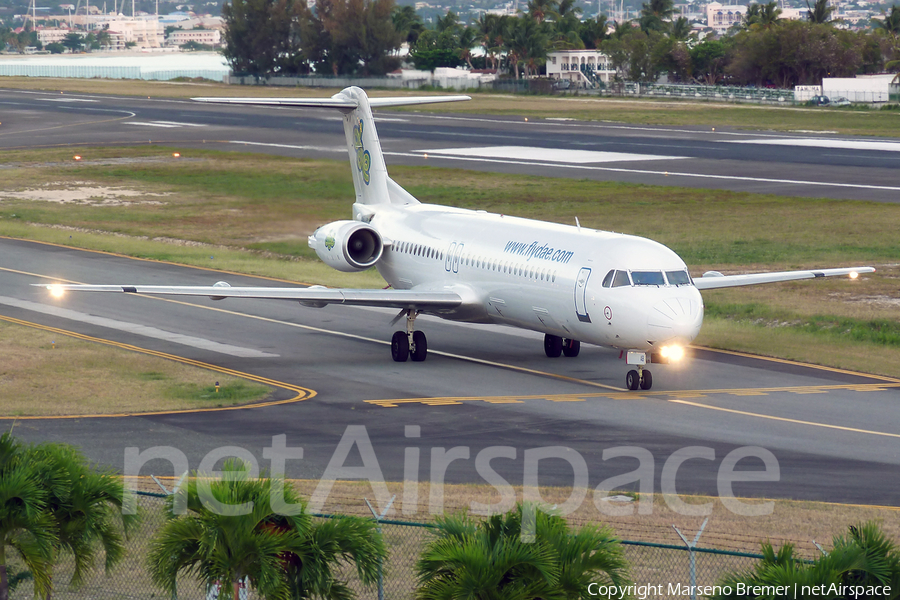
{"x": 347, "y": 245}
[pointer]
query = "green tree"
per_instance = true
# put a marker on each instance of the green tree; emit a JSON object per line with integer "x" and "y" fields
{"x": 491, "y": 33}
{"x": 346, "y": 37}
{"x": 565, "y": 27}
{"x": 594, "y": 31}
{"x": 709, "y": 59}
{"x": 407, "y": 23}
{"x": 820, "y": 12}
{"x": 526, "y": 45}
{"x": 231, "y": 533}
{"x": 656, "y": 14}
{"x": 73, "y": 41}
{"x": 86, "y": 505}
{"x": 26, "y": 528}
{"x": 681, "y": 29}
{"x": 498, "y": 558}
{"x": 637, "y": 55}
{"x": 56, "y": 48}
{"x": 890, "y": 22}
{"x": 865, "y": 557}
{"x": 539, "y": 10}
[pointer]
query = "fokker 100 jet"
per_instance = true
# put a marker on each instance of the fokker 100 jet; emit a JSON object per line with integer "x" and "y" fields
{"x": 573, "y": 284}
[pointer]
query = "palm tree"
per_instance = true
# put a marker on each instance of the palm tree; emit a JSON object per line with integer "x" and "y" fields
{"x": 566, "y": 26}
{"x": 681, "y": 29}
{"x": 865, "y": 557}
{"x": 769, "y": 15}
{"x": 26, "y": 529}
{"x": 86, "y": 505}
{"x": 490, "y": 560}
{"x": 593, "y": 31}
{"x": 408, "y": 23}
{"x": 890, "y": 23}
{"x": 490, "y": 30}
{"x": 281, "y": 555}
{"x": 539, "y": 10}
{"x": 655, "y": 15}
{"x": 820, "y": 12}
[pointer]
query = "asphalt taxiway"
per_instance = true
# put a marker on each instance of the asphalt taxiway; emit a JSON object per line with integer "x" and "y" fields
{"x": 835, "y": 435}
{"x": 795, "y": 164}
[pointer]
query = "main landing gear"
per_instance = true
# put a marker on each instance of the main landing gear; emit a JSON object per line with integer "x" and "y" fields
{"x": 555, "y": 345}
{"x": 410, "y": 343}
{"x": 639, "y": 379}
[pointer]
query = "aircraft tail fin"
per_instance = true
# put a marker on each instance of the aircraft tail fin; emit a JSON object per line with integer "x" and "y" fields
{"x": 370, "y": 178}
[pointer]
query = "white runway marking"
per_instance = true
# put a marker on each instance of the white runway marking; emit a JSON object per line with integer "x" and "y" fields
{"x": 146, "y": 124}
{"x": 824, "y": 143}
{"x": 166, "y": 124}
{"x": 134, "y": 328}
{"x": 547, "y": 154}
{"x": 342, "y": 149}
{"x": 67, "y": 100}
{"x": 861, "y": 186}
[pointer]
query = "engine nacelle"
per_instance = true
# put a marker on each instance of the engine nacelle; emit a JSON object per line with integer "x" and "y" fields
{"x": 347, "y": 245}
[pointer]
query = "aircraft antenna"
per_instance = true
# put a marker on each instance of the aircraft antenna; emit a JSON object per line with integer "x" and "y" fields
{"x": 577, "y": 224}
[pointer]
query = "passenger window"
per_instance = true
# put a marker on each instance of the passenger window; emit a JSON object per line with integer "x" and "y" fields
{"x": 607, "y": 281}
{"x": 621, "y": 279}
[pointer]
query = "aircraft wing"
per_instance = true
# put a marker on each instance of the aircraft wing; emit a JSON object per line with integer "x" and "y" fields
{"x": 715, "y": 280}
{"x": 315, "y": 296}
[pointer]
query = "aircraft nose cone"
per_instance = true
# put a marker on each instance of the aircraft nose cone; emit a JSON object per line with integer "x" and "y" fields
{"x": 676, "y": 319}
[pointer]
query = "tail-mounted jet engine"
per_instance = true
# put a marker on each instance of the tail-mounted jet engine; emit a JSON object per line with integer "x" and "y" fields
{"x": 347, "y": 245}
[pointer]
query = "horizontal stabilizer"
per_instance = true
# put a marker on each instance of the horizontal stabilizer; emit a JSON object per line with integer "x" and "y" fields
{"x": 339, "y": 101}
{"x": 717, "y": 280}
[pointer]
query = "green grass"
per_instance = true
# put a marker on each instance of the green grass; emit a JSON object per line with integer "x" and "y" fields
{"x": 234, "y": 392}
{"x": 881, "y": 332}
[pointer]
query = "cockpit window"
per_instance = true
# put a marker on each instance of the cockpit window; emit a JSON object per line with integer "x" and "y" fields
{"x": 678, "y": 277}
{"x": 621, "y": 279}
{"x": 607, "y": 281}
{"x": 647, "y": 278}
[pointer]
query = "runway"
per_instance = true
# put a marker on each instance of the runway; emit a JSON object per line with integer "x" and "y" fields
{"x": 835, "y": 435}
{"x": 794, "y": 164}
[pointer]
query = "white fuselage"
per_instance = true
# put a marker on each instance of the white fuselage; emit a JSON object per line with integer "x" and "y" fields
{"x": 542, "y": 276}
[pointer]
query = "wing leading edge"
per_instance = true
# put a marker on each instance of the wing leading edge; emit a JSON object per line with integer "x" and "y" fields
{"x": 715, "y": 280}
{"x": 312, "y": 296}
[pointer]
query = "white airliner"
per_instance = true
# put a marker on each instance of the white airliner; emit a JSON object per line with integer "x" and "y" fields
{"x": 571, "y": 283}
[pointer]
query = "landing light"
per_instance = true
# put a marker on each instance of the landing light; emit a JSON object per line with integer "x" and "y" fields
{"x": 56, "y": 291}
{"x": 672, "y": 353}
{"x": 854, "y": 275}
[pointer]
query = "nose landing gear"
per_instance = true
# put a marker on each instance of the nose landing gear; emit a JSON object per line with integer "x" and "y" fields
{"x": 409, "y": 343}
{"x": 641, "y": 378}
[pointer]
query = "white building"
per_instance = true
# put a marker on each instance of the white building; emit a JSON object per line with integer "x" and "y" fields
{"x": 580, "y": 67}
{"x": 54, "y": 36}
{"x": 145, "y": 32}
{"x": 206, "y": 37}
{"x": 721, "y": 18}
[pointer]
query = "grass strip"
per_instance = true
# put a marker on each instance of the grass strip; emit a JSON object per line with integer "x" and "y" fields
{"x": 47, "y": 374}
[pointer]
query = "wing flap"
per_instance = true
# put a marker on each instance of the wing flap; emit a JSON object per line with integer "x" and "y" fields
{"x": 711, "y": 282}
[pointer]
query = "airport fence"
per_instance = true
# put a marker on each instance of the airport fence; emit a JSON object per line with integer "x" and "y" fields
{"x": 666, "y": 569}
